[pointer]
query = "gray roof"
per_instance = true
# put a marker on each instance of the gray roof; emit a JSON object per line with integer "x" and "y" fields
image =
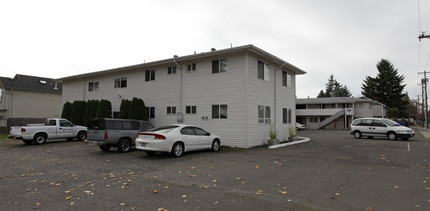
{"x": 246, "y": 48}
{"x": 31, "y": 83}
{"x": 331, "y": 100}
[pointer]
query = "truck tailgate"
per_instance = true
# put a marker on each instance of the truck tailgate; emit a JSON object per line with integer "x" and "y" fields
{"x": 15, "y": 131}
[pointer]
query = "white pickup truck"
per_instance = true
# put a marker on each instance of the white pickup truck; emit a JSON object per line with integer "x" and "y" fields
{"x": 54, "y": 128}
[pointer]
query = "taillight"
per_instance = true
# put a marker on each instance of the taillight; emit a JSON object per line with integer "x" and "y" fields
{"x": 159, "y": 137}
{"x": 106, "y": 135}
{"x": 22, "y": 130}
{"x": 156, "y": 136}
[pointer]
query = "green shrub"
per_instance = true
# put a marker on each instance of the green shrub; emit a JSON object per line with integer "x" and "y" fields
{"x": 104, "y": 109}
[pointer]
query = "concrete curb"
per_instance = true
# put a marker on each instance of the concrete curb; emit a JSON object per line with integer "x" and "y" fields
{"x": 305, "y": 139}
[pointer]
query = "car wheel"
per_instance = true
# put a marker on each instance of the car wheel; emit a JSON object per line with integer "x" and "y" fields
{"x": 150, "y": 153}
{"x": 215, "y": 145}
{"x": 29, "y": 142}
{"x": 105, "y": 148}
{"x": 177, "y": 150}
{"x": 82, "y": 136}
{"x": 391, "y": 136}
{"x": 39, "y": 138}
{"x": 357, "y": 134}
{"x": 124, "y": 145}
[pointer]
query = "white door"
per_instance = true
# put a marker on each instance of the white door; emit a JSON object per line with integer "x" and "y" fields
{"x": 204, "y": 140}
{"x": 66, "y": 129}
{"x": 190, "y": 138}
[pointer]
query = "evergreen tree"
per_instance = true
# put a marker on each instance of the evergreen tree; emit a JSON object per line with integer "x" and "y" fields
{"x": 387, "y": 88}
{"x": 138, "y": 109}
{"x": 67, "y": 108}
{"x": 124, "y": 109}
{"x": 77, "y": 112}
{"x": 334, "y": 89}
{"x": 90, "y": 111}
{"x": 104, "y": 109}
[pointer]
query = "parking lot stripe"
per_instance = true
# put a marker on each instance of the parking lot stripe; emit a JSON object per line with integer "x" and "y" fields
{"x": 409, "y": 148}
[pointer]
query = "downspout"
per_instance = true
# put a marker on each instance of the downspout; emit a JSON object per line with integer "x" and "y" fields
{"x": 180, "y": 89}
{"x": 247, "y": 103}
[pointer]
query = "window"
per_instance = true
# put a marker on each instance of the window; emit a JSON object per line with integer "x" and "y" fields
{"x": 190, "y": 109}
{"x": 286, "y": 115}
{"x": 151, "y": 112}
{"x": 121, "y": 82}
{"x": 171, "y": 70}
{"x": 191, "y": 67}
{"x": 171, "y": 110}
{"x": 219, "y": 111}
{"x": 93, "y": 86}
{"x": 263, "y": 71}
{"x": 314, "y": 106}
{"x": 201, "y": 132}
{"x": 313, "y": 119}
{"x": 150, "y": 75}
{"x": 286, "y": 79}
{"x": 188, "y": 131}
{"x": 1, "y": 95}
{"x": 264, "y": 114}
{"x": 65, "y": 123}
{"x": 219, "y": 66}
{"x": 359, "y": 105}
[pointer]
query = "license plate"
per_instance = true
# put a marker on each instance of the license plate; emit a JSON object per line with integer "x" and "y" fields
{"x": 143, "y": 145}
{"x": 93, "y": 143}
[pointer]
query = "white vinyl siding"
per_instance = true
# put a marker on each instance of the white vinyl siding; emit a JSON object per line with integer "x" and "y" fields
{"x": 239, "y": 88}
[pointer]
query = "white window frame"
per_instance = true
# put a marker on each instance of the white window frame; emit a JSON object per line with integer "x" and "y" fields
{"x": 264, "y": 114}
{"x": 191, "y": 67}
{"x": 171, "y": 110}
{"x": 149, "y": 75}
{"x": 265, "y": 74}
{"x": 93, "y": 86}
{"x": 119, "y": 82}
{"x": 221, "y": 111}
{"x": 220, "y": 64}
{"x": 171, "y": 70}
{"x": 286, "y": 79}
{"x": 151, "y": 112}
{"x": 192, "y": 109}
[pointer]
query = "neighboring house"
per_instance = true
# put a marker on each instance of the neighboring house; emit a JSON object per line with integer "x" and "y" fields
{"x": 234, "y": 93}
{"x": 25, "y": 99}
{"x": 336, "y": 112}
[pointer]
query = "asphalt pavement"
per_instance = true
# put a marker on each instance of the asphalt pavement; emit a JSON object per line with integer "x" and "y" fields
{"x": 333, "y": 171}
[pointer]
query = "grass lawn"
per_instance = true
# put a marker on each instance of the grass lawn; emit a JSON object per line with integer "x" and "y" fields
{"x": 3, "y": 137}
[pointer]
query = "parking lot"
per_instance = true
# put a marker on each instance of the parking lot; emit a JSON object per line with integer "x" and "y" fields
{"x": 333, "y": 171}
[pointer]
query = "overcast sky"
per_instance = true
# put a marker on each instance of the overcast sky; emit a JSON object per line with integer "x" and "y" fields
{"x": 346, "y": 38}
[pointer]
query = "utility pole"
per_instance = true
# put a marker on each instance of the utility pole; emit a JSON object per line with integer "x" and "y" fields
{"x": 424, "y": 83}
{"x": 418, "y": 109}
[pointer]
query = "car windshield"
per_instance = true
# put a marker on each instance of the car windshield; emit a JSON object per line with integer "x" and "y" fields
{"x": 165, "y": 129}
{"x": 390, "y": 122}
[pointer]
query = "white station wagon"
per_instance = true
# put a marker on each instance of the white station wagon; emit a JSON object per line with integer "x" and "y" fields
{"x": 371, "y": 127}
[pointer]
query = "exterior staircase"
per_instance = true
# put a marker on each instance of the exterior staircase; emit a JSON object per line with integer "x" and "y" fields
{"x": 332, "y": 118}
